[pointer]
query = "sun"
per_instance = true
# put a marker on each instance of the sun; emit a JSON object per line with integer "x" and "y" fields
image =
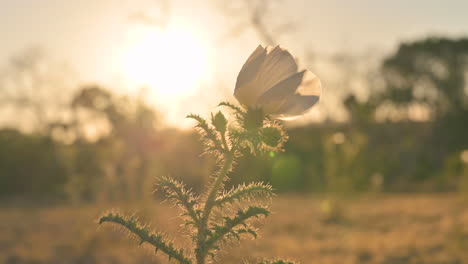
{"x": 171, "y": 62}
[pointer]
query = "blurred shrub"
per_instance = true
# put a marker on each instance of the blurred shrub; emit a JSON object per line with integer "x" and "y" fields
{"x": 287, "y": 173}
{"x": 30, "y": 165}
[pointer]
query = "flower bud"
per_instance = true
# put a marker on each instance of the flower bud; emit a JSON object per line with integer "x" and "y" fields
{"x": 271, "y": 136}
{"x": 219, "y": 122}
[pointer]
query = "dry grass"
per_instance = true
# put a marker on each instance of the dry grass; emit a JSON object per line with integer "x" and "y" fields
{"x": 389, "y": 229}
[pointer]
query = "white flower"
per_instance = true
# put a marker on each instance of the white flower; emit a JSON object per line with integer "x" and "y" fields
{"x": 270, "y": 80}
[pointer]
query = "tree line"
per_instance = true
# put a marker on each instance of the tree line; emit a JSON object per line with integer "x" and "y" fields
{"x": 408, "y": 135}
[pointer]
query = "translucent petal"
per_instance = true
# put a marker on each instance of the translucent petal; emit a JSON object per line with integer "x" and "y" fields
{"x": 272, "y": 99}
{"x": 307, "y": 95}
{"x": 279, "y": 64}
{"x": 259, "y": 51}
{"x": 297, "y": 105}
{"x": 247, "y": 94}
{"x": 311, "y": 84}
{"x": 269, "y": 79}
{"x": 283, "y": 89}
{"x": 248, "y": 74}
{"x": 251, "y": 66}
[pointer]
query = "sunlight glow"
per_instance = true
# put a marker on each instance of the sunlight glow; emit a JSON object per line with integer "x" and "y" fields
{"x": 172, "y": 62}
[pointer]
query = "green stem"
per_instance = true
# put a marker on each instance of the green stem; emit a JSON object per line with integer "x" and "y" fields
{"x": 225, "y": 145}
{"x": 201, "y": 250}
{"x": 214, "y": 190}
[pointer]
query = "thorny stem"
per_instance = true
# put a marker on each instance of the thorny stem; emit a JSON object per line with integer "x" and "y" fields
{"x": 201, "y": 251}
{"x": 207, "y": 236}
{"x": 225, "y": 145}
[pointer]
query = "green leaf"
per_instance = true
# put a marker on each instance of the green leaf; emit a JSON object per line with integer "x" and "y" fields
{"x": 220, "y": 232}
{"x": 145, "y": 235}
{"x": 177, "y": 192}
{"x": 236, "y": 109}
{"x": 208, "y": 134}
{"x": 245, "y": 192}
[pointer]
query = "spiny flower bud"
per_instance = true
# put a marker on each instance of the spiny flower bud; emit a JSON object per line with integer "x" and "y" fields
{"x": 219, "y": 122}
{"x": 271, "y": 136}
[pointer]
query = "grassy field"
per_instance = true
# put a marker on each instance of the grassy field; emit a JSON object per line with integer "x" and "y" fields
{"x": 385, "y": 229}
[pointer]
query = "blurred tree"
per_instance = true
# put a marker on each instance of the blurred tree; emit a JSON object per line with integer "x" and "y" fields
{"x": 34, "y": 96}
{"x": 127, "y": 141}
{"x": 431, "y": 72}
{"x": 361, "y": 113}
{"x": 98, "y": 144}
{"x": 26, "y": 88}
{"x": 429, "y": 76}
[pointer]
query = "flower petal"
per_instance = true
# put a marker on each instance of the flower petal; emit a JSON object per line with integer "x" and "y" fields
{"x": 274, "y": 98}
{"x": 248, "y": 74}
{"x": 282, "y": 89}
{"x": 307, "y": 95}
{"x": 311, "y": 85}
{"x": 297, "y": 105}
{"x": 279, "y": 64}
{"x": 293, "y": 96}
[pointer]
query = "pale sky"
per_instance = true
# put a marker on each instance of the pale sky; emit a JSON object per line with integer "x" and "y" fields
{"x": 91, "y": 35}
